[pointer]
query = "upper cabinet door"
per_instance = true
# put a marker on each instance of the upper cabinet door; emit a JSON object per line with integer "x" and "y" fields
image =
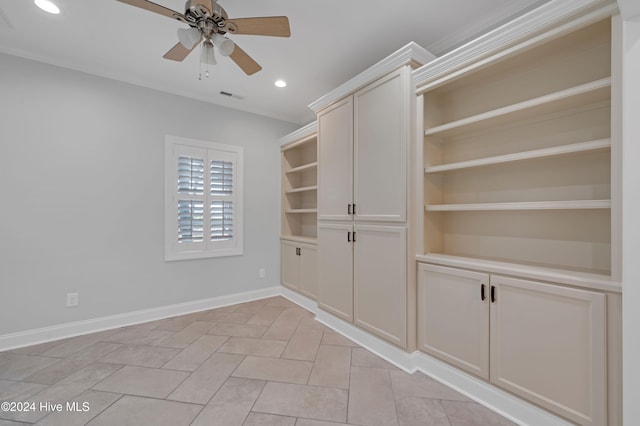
{"x": 382, "y": 123}
{"x": 335, "y": 161}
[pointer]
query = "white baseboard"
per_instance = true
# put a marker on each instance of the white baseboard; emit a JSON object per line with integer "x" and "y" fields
{"x": 47, "y": 334}
{"x": 300, "y": 300}
{"x": 511, "y": 407}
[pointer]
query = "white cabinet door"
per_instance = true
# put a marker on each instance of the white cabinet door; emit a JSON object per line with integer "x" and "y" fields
{"x": 335, "y": 267}
{"x": 380, "y": 281}
{"x": 382, "y": 122}
{"x": 453, "y": 316}
{"x": 335, "y": 161}
{"x": 290, "y": 265}
{"x": 548, "y": 345}
{"x": 309, "y": 271}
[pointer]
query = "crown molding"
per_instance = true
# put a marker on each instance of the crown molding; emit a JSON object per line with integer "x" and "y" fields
{"x": 470, "y": 32}
{"x": 523, "y": 29}
{"x": 302, "y": 133}
{"x": 410, "y": 54}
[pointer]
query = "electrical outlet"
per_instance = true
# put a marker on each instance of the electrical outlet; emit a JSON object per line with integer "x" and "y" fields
{"x": 262, "y": 273}
{"x": 73, "y": 299}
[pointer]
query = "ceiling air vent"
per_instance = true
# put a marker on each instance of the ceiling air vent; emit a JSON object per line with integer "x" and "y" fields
{"x": 231, "y": 95}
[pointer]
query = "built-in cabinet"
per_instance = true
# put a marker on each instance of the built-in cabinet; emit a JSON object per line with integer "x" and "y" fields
{"x": 380, "y": 281}
{"x": 299, "y": 270}
{"x": 362, "y": 206}
{"x": 363, "y": 152}
{"x": 335, "y": 177}
{"x": 299, "y": 212}
{"x": 518, "y": 200}
{"x": 541, "y": 341}
{"x": 470, "y": 208}
{"x": 335, "y": 261}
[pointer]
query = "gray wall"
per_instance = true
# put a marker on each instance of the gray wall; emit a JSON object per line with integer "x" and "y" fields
{"x": 81, "y": 187}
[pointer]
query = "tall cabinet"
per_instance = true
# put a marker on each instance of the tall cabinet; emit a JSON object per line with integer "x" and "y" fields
{"x": 519, "y": 256}
{"x": 364, "y": 134}
{"x": 298, "y": 238}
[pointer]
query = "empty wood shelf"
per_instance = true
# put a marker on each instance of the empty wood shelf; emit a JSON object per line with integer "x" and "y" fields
{"x": 562, "y": 100}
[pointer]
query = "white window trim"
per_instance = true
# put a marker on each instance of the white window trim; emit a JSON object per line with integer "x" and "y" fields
{"x": 171, "y": 251}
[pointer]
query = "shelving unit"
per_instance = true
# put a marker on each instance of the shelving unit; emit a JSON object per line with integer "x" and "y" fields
{"x": 299, "y": 211}
{"x": 517, "y": 158}
{"x": 299, "y": 159}
{"x": 518, "y": 199}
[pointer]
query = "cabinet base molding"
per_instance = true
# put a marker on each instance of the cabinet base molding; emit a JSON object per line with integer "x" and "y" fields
{"x": 300, "y": 300}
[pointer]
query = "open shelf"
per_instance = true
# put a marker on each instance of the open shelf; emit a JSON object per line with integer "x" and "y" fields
{"x": 591, "y": 92}
{"x": 521, "y": 156}
{"x": 530, "y": 205}
{"x": 300, "y": 239}
{"x": 303, "y": 168}
{"x": 299, "y": 179}
{"x": 302, "y": 189}
{"x": 297, "y": 211}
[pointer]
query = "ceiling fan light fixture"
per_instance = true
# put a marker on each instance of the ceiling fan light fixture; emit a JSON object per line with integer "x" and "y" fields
{"x": 47, "y": 6}
{"x": 188, "y": 37}
{"x": 207, "y": 56}
{"x": 224, "y": 45}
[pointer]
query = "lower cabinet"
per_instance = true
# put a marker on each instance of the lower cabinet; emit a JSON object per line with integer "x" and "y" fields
{"x": 335, "y": 261}
{"x": 380, "y": 281}
{"x": 543, "y": 342}
{"x": 364, "y": 277}
{"x": 299, "y": 265}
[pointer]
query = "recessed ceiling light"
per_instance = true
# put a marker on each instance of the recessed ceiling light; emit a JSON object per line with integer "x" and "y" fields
{"x": 281, "y": 83}
{"x": 47, "y": 6}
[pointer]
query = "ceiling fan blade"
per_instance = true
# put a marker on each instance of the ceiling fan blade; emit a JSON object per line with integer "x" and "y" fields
{"x": 244, "y": 61}
{"x": 152, "y": 7}
{"x": 275, "y": 26}
{"x": 178, "y": 52}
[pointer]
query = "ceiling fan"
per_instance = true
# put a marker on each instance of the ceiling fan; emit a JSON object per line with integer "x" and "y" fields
{"x": 209, "y": 21}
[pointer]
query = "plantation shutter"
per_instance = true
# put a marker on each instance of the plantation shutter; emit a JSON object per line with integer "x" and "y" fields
{"x": 221, "y": 192}
{"x": 204, "y": 200}
{"x": 191, "y": 182}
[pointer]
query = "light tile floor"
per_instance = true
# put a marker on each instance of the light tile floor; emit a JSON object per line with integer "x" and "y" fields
{"x": 266, "y": 362}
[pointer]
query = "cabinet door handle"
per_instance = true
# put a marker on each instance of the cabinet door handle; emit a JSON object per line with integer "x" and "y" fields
{"x": 349, "y": 236}
{"x": 354, "y": 234}
{"x": 482, "y": 295}
{"x": 354, "y": 208}
{"x": 348, "y": 209}
{"x": 298, "y": 251}
{"x": 493, "y": 294}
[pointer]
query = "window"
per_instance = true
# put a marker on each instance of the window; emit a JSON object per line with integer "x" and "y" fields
{"x": 203, "y": 199}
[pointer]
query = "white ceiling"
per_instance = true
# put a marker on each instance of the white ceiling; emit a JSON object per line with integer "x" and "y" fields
{"x": 331, "y": 41}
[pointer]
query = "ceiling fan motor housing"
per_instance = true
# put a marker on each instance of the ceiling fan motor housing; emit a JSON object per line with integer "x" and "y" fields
{"x": 197, "y": 10}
